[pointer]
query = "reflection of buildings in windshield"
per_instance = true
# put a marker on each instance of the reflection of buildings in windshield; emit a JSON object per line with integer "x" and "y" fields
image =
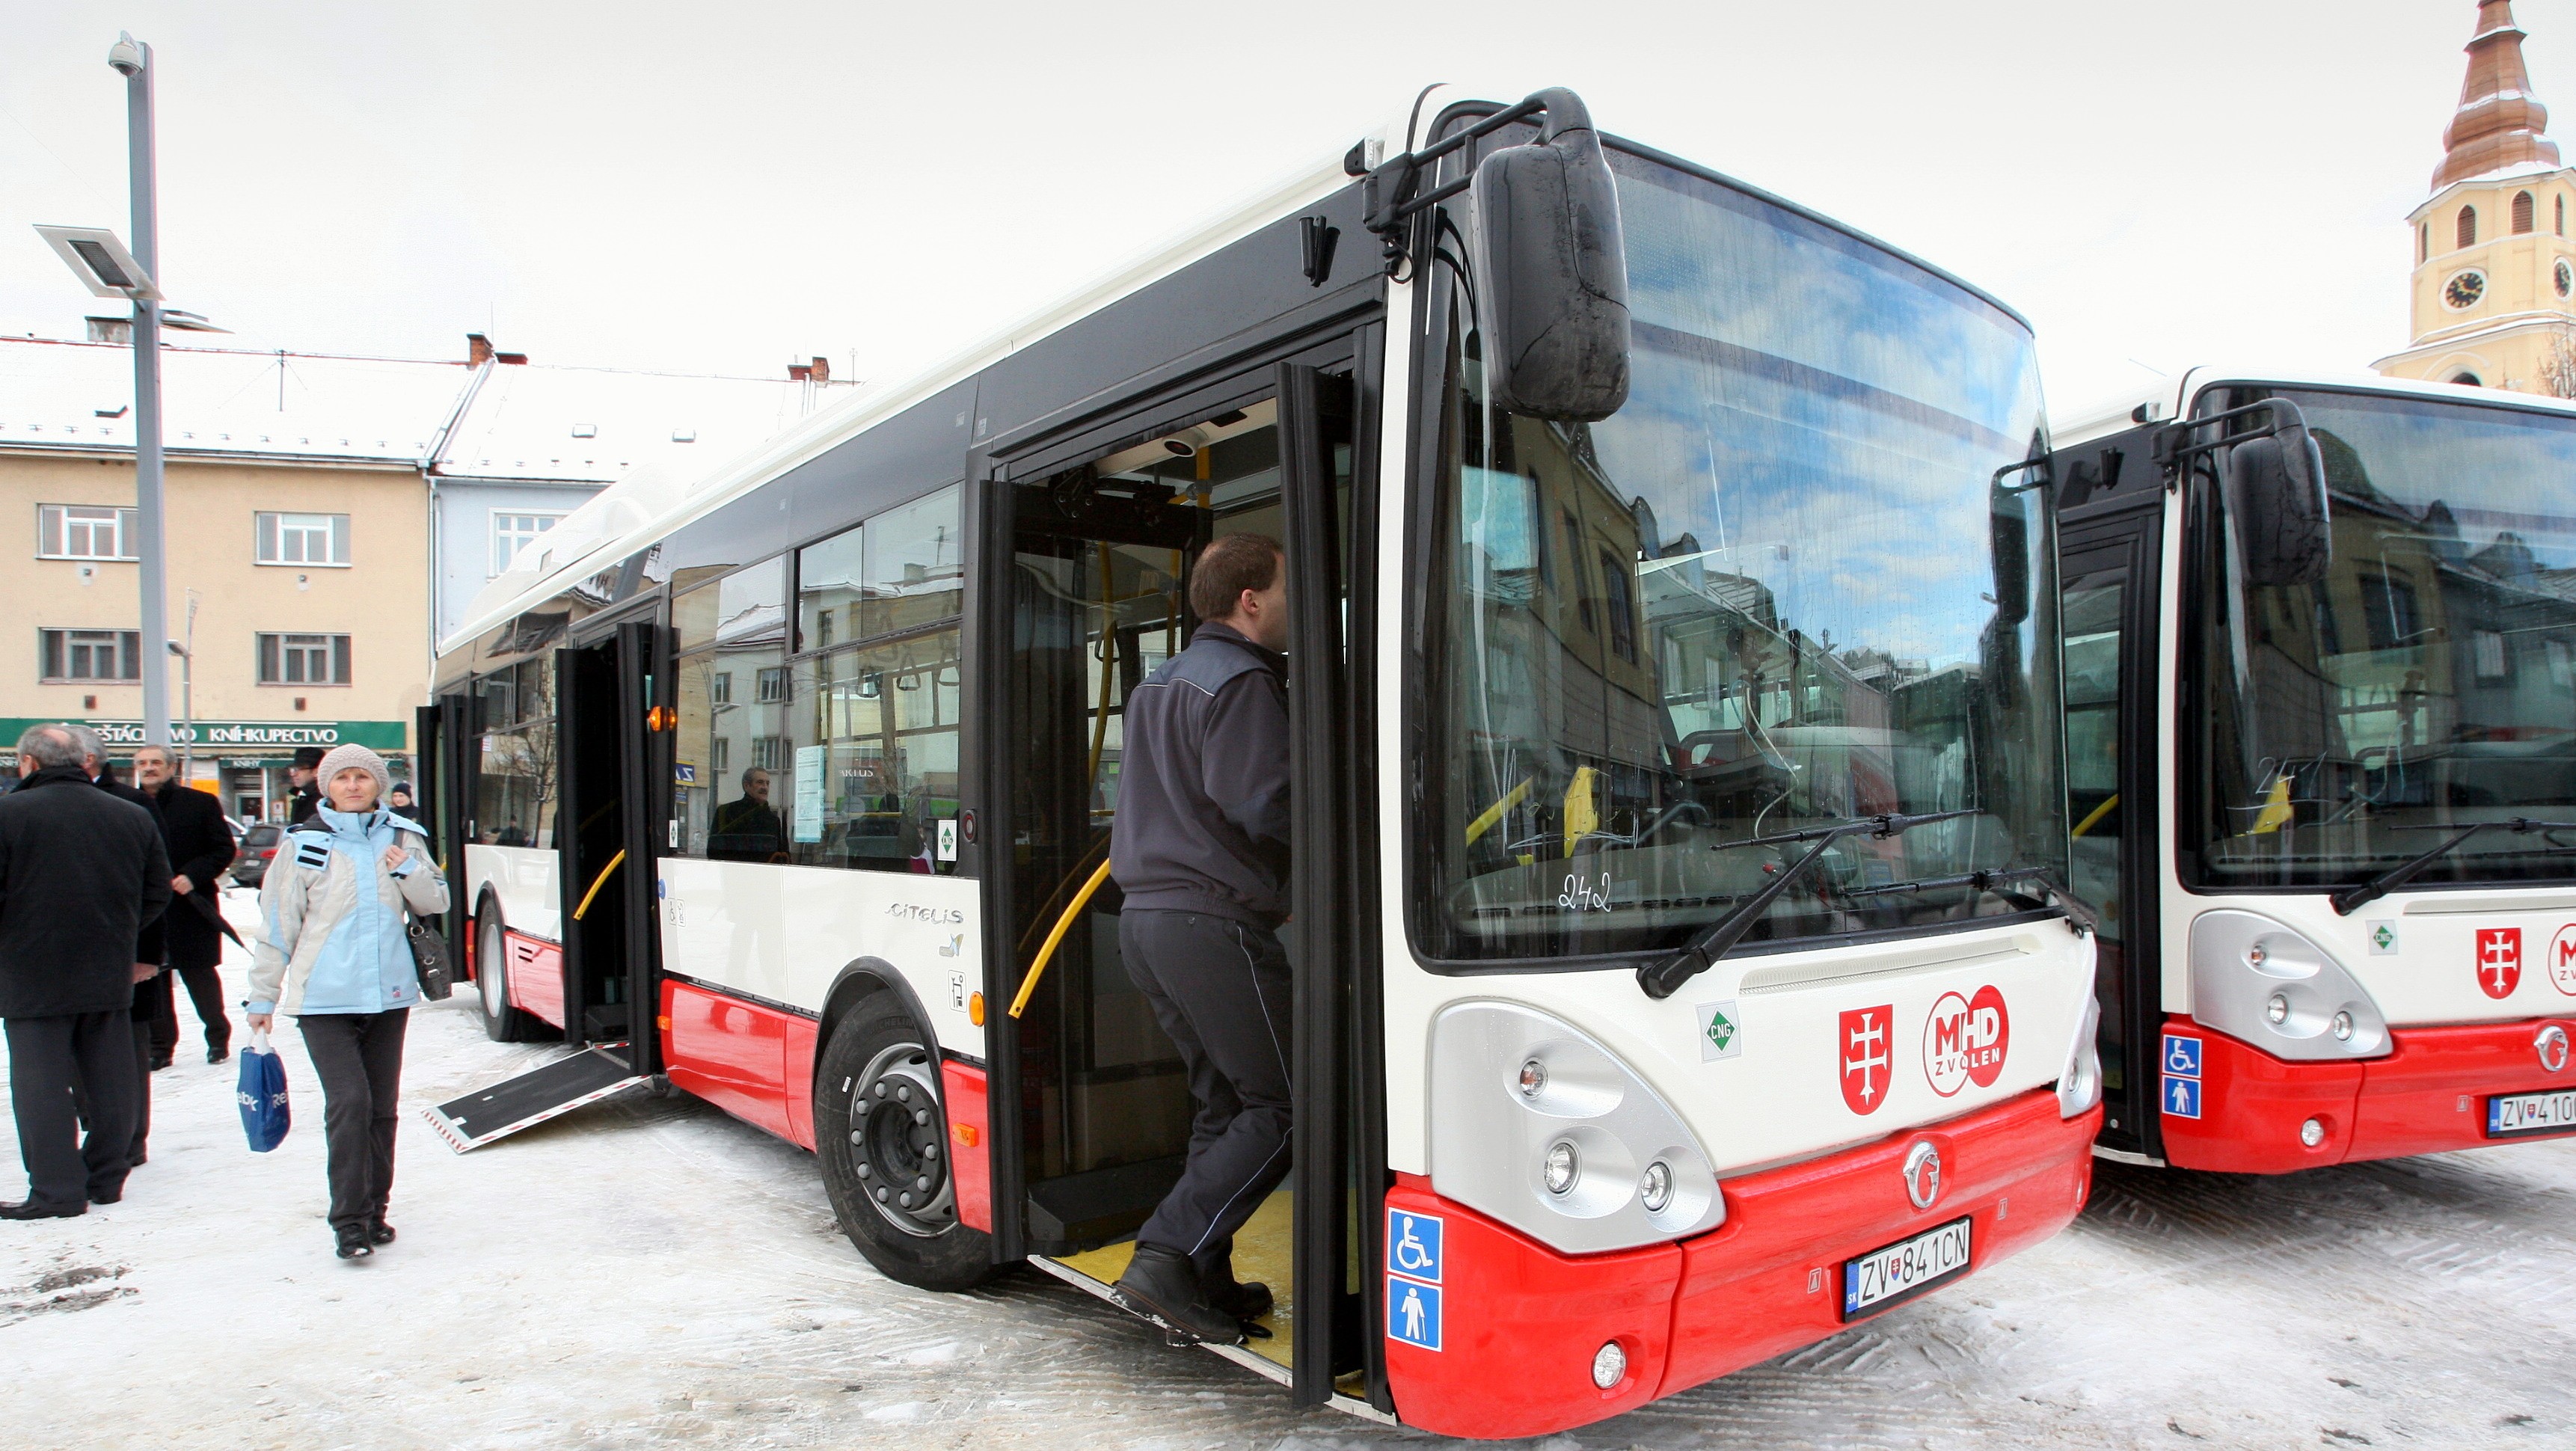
{"x": 2431, "y": 668}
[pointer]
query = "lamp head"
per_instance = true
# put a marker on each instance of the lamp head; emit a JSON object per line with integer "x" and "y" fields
{"x": 129, "y": 55}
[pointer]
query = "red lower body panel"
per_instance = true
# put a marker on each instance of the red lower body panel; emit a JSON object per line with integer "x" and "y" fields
{"x": 733, "y": 1054}
{"x": 1523, "y": 1322}
{"x": 2429, "y": 1094}
{"x": 535, "y": 975}
{"x": 970, "y": 1156}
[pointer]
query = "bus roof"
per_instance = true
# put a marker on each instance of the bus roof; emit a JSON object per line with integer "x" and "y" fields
{"x": 2107, "y": 416}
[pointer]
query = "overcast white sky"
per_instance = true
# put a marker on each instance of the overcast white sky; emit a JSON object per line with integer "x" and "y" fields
{"x": 727, "y": 187}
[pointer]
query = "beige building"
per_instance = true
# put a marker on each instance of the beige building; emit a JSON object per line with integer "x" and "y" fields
{"x": 297, "y": 539}
{"x": 2493, "y": 299}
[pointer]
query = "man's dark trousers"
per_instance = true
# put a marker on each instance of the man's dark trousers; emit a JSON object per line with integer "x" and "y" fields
{"x": 205, "y": 991}
{"x": 1221, "y": 990}
{"x": 358, "y": 1057}
{"x": 51, "y": 1060}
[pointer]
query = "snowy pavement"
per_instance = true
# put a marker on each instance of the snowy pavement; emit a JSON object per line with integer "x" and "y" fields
{"x": 648, "y": 1272}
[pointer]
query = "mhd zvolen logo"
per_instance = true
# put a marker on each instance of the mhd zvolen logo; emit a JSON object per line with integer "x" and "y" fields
{"x": 1965, "y": 1040}
{"x": 2562, "y": 960}
{"x": 2499, "y": 961}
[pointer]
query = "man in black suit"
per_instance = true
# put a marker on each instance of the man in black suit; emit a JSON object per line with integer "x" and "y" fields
{"x": 151, "y": 955}
{"x": 201, "y": 846}
{"x": 307, "y": 800}
{"x": 82, "y": 873}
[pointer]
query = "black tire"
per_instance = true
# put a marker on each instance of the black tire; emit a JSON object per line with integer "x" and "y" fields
{"x": 882, "y": 1134}
{"x": 502, "y": 1022}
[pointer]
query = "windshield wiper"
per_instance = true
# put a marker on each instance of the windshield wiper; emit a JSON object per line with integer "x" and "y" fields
{"x": 2078, "y": 916}
{"x": 2351, "y": 899}
{"x": 1660, "y": 980}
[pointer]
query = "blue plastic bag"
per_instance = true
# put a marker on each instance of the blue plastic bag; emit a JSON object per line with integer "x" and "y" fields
{"x": 263, "y": 1095}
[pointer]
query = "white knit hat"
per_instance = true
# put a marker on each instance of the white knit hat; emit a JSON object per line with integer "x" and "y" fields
{"x": 341, "y": 758}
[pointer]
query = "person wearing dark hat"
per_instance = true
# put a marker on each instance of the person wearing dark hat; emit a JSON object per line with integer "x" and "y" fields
{"x": 304, "y": 775}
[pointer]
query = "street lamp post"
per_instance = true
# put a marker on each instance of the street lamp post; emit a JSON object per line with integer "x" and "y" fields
{"x": 133, "y": 59}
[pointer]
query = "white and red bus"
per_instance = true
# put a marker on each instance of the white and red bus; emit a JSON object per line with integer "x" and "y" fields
{"x": 2321, "y": 726}
{"x": 1679, "y": 808}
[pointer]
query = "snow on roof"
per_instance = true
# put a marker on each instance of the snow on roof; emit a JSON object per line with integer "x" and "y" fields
{"x": 597, "y": 425}
{"x": 285, "y": 406}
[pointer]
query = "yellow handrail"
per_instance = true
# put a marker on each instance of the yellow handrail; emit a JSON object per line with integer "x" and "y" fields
{"x": 1486, "y": 819}
{"x": 2095, "y": 818}
{"x": 1063, "y": 924}
{"x": 598, "y": 882}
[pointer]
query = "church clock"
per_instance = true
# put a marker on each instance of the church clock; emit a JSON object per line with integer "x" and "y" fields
{"x": 2464, "y": 289}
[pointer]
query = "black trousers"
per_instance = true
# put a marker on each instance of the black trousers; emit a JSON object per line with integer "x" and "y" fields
{"x": 206, "y": 992}
{"x": 358, "y": 1057}
{"x": 1221, "y": 990}
{"x": 54, "y": 1061}
{"x": 134, "y": 1149}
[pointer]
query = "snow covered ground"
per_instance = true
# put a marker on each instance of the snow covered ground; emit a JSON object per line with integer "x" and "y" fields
{"x": 649, "y": 1272}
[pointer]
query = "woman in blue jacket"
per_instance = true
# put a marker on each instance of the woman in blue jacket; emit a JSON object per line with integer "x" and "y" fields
{"x": 333, "y": 954}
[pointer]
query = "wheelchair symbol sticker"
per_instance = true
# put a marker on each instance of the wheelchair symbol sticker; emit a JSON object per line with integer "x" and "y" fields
{"x": 2182, "y": 1056}
{"x": 1413, "y": 1247}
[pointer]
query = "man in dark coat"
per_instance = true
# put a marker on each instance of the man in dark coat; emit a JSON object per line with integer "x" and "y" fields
{"x": 151, "y": 956}
{"x": 81, "y": 874}
{"x": 306, "y": 803}
{"x": 201, "y": 846}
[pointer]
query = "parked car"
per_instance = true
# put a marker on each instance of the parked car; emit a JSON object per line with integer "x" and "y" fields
{"x": 258, "y": 846}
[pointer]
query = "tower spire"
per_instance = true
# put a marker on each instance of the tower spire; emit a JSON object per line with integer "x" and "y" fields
{"x": 2499, "y": 123}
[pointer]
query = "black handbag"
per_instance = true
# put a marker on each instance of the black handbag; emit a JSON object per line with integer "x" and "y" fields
{"x": 429, "y": 959}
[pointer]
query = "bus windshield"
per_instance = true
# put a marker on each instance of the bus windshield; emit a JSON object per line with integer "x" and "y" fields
{"x": 1779, "y": 589}
{"x": 2426, "y": 681}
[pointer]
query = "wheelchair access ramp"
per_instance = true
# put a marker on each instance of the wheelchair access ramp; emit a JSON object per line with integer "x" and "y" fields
{"x": 533, "y": 1097}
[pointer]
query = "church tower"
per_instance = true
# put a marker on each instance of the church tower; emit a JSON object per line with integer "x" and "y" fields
{"x": 2494, "y": 291}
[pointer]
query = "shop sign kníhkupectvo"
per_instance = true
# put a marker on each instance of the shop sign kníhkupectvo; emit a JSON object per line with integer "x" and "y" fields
{"x": 378, "y": 735}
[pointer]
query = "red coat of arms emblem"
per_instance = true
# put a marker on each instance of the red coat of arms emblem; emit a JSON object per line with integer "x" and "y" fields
{"x": 1861, "y": 1040}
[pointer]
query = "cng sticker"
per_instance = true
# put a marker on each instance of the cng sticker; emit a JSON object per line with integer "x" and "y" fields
{"x": 1966, "y": 1039}
{"x": 2562, "y": 960}
{"x": 1721, "y": 1031}
{"x": 2383, "y": 939}
{"x": 2499, "y": 960}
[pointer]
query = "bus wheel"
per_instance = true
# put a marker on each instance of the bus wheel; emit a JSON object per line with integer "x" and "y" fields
{"x": 882, "y": 1135}
{"x": 504, "y": 1023}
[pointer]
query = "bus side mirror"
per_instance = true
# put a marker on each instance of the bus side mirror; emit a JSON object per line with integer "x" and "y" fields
{"x": 2008, "y": 540}
{"x": 1553, "y": 271}
{"x": 2279, "y": 488}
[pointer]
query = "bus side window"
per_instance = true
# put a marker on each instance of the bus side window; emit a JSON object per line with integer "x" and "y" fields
{"x": 517, "y": 783}
{"x": 732, "y": 786}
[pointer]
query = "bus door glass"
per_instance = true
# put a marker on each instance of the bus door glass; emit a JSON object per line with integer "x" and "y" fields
{"x": 590, "y": 835}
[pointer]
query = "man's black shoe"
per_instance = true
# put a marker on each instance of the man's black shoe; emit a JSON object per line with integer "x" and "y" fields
{"x": 33, "y": 1209}
{"x": 353, "y": 1243}
{"x": 112, "y": 1196}
{"x": 217, "y": 1053}
{"x": 380, "y": 1233}
{"x": 1163, "y": 1286}
{"x": 160, "y": 1061}
{"x": 1245, "y": 1300}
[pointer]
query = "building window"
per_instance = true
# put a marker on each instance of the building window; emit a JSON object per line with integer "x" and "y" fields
{"x": 303, "y": 659}
{"x": 71, "y": 655}
{"x": 514, "y": 532}
{"x": 2424, "y": 237}
{"x": 84, "y": 531}
{"x": 2468, "y": 230}
{"x": 2486, "y": 649}
{"x": 307, "y": 539}
{"x": 772, "y": 686}
{"x": 720, "y": 692}
{"x": 2562, "y": 214}
{"x": 772, "y": 753}
{"x": 2521, "y": 212}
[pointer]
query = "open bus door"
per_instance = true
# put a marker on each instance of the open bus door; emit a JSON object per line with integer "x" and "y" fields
{"x": 442, "y": 730}
{"x": 615, "y": 787}
{"x": 2110, "y": 500}
{"x": 1096, "y": 535}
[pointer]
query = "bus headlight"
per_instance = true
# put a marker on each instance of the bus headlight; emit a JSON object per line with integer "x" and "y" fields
{"x": 1546, "y": 1130}
{"x": 2258, "y": 980}
{"x": 2079, "y": 1084}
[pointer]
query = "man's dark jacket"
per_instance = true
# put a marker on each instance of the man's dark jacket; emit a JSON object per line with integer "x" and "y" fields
{"x": 201, "y": 846}
{"x": 148, "y": 946}
{"x": 1203, "y": 783}
{"x": 81, "y": 873}
{"x": 305, "y": 805}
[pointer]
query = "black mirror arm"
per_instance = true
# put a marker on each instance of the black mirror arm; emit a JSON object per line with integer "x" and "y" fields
{"x": 1389, "y": 195}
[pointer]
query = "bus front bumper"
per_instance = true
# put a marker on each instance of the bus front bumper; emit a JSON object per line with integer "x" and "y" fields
{"x": 2428, "y": 1094}
{"x": 1523, "y": 1324}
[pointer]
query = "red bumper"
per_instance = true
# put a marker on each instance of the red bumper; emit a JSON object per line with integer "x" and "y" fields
{"x": 1523, "y": 1322}
{"x": 2428, "y": 1095}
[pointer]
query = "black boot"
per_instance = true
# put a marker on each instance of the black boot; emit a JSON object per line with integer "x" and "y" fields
{"x": 379, "y": 1232}
{"x": 1163, "y": 1286}
{"x": 1245, "y": 1300}
{"x": 353, "y": 1242}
